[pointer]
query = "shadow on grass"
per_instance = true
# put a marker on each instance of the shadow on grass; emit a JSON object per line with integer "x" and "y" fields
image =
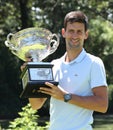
{"x": 103, "y": 121}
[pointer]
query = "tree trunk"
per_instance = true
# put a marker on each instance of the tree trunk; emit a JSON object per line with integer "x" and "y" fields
{"x": 25, "y": 14}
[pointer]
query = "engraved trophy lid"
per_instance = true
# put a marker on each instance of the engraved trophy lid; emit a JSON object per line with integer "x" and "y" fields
{"x": 33, "y": 42}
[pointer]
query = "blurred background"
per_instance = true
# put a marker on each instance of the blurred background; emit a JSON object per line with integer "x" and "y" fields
{"x": 16, "y": 15}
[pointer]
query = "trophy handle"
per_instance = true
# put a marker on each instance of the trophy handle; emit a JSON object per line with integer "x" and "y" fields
{"x": 54, "y": 43}
{"x": 9, "y": 44}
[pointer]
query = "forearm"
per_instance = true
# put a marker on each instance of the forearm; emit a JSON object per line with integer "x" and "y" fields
{"x": 95, "y": 103}
{"x": 37, "y": 103}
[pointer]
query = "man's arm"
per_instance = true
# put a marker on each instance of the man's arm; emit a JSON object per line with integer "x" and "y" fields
{"x": 97, "y": 102}
{"x": 37, "y": 103}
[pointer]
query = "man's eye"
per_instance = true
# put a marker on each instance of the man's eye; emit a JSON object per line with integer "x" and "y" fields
{"x": 71, "y": 31}
{"x": 80, "y": 32}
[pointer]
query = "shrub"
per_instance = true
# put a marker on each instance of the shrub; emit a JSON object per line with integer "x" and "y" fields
{"x": 28, "y": 120}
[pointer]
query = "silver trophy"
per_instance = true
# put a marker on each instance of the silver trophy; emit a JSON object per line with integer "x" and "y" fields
{"x": 37, "y": 44}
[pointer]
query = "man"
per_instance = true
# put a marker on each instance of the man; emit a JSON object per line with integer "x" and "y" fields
{"x": 82, "y": 85}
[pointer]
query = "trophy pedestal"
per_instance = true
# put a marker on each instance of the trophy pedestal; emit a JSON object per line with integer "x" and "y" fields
{"x": 34, "y": 76}
{"x": 31, "y": 90}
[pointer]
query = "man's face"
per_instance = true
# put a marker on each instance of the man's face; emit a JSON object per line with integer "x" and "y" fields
{"x": 75, "y": 35}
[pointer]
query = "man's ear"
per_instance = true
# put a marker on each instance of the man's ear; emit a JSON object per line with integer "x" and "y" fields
{"x": 87, "y": 34}
{"x": 63, "y": 32}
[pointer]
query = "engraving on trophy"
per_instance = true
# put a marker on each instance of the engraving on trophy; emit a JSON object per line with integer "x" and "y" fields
{"x": 41, "y": 74}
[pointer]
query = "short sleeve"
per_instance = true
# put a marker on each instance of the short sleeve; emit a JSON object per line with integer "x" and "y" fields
{"x": 98, "y": 75}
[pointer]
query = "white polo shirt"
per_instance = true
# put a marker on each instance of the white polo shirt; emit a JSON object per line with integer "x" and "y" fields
{"x": 78, "y": 77}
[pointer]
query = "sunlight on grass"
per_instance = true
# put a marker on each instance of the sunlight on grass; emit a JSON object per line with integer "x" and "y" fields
{"x": 104, "y": 122}
{"x": 104, "y": 127}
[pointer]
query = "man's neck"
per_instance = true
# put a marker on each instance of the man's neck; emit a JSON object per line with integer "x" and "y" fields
{"x": 72, "y": 55}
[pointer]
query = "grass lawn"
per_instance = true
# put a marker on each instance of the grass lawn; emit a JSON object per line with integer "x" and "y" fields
{"x": 103, "y": 122}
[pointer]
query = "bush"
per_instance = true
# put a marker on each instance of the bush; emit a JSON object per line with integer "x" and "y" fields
{"x": 28, "y": 120}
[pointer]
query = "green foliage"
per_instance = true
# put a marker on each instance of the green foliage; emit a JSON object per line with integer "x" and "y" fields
{"x": 52, "y": 12}
{"x": 110, "y": 98}
{"x": 28, "y": 120}
{"x": 110, "y": 92}
{"x": 100, "y": 37}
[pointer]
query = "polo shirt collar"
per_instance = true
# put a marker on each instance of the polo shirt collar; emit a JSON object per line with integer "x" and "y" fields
{"x": 79, "y": 58}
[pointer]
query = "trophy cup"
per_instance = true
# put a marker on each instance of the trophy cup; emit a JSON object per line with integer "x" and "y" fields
{"x": 36, "y": 43}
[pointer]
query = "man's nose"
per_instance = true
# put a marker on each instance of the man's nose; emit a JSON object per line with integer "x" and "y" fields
{"x": 75, "y": 34}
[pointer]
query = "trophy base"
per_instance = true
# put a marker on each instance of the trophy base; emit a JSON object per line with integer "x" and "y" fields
{"x": 32, "y": 87}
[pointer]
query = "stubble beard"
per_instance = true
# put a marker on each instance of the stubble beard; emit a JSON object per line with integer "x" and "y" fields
{"x": 72, "y": 46}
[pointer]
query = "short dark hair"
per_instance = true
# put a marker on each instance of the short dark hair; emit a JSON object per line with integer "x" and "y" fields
{"x": 76, "y": 16}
